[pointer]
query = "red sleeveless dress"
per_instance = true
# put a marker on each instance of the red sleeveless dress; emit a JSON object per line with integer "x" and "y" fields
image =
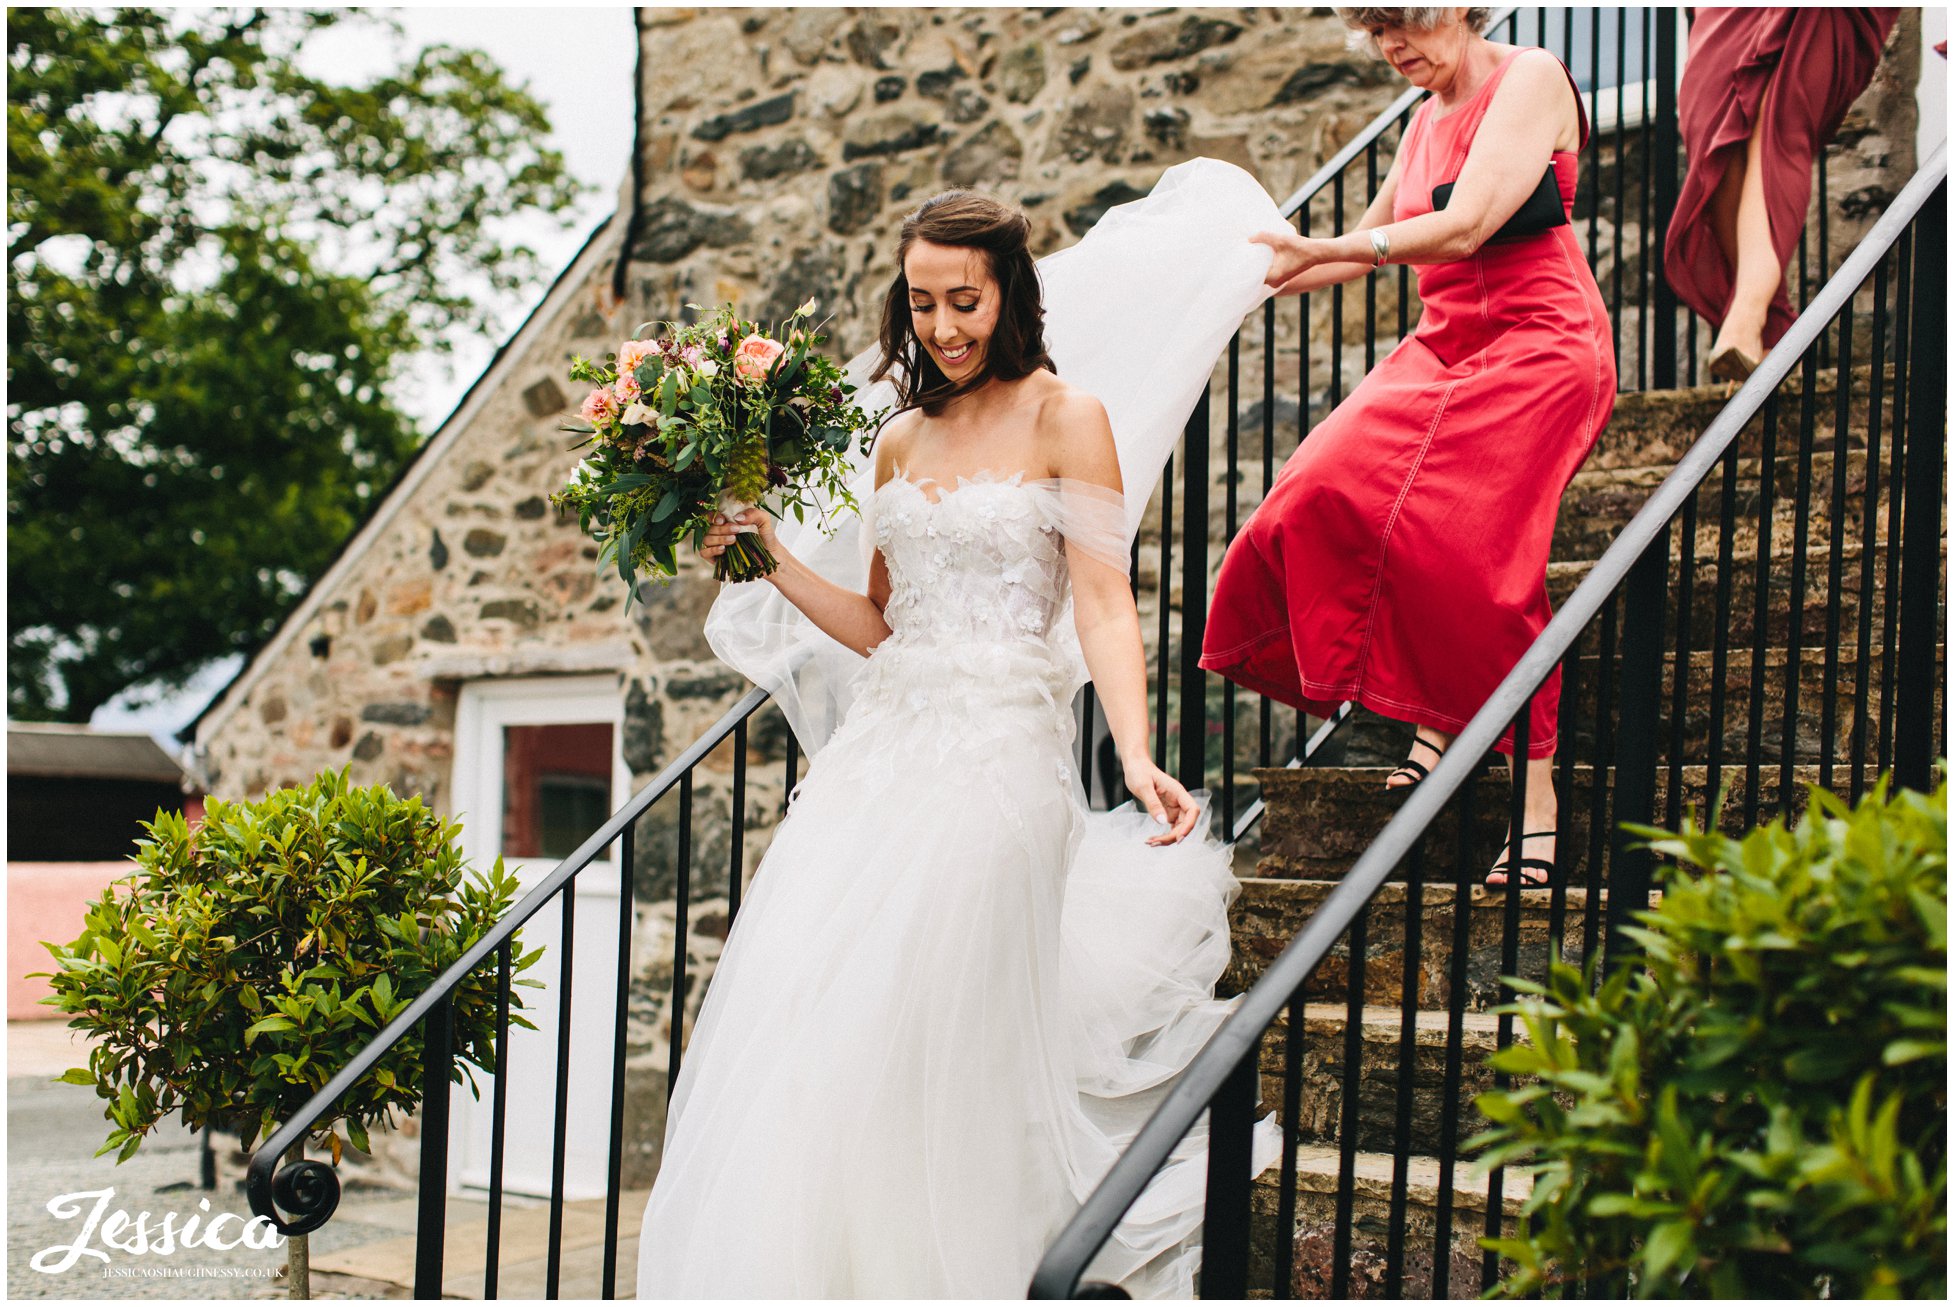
{"x": 1400, "y": 558}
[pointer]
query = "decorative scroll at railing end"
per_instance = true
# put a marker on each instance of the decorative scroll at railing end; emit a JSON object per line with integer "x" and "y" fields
{"x": 1100, "y": 1289}
{"x": 310, "y": 1189}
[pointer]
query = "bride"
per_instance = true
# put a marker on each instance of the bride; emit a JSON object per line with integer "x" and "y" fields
{"x": 953, "y": 995}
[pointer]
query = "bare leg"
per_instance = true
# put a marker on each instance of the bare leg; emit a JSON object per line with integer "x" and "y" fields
{"x": 1541, "y": 813}
{"x": 1427, "y": 744}
{"x": 1742, "y": 223}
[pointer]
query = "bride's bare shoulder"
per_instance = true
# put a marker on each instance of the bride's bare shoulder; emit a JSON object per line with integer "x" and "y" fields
{"x": 892, "y": 443}
{"x": 1077, "y": 436}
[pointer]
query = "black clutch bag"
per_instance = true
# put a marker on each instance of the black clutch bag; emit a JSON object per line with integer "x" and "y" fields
{"x": 1541, "y": 212}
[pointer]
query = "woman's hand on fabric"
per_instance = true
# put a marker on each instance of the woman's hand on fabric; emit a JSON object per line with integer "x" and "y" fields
{"x": 724, "y": 529}
{"x": 1164, "y": 798}
{"x": 1294, "y": 255}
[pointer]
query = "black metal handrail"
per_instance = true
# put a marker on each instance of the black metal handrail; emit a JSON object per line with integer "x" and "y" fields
{"x": 310, "y": 1190}
{"x": 1221, "y": 1076}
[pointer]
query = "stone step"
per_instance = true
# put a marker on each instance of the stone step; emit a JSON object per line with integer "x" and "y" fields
{"x": 1317, "y": 1170}
{"x": 1319, "y": 820}
{"x": 1657, "y": 427}
{"x": 1600, "y": 502}
{"x": 1320, "y": 1100}
{"x": 1742, "y": 623}
{"x": 1271, "y": 910}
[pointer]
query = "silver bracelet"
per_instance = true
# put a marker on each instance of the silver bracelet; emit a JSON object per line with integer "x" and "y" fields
{"x": 1380, "y": 247}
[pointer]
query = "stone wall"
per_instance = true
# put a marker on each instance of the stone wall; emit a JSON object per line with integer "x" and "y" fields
{"x": 781, "y": 148}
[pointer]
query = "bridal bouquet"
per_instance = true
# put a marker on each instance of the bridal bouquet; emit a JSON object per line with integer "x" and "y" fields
{"x": 702, "y": 419}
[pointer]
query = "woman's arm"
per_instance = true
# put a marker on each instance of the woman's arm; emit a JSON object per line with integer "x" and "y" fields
{"x": 1332, "y": 274}
{"x": 1527, "y": 119}
{"x": 853, "y": 619}
{"x": 1109, "y": 624}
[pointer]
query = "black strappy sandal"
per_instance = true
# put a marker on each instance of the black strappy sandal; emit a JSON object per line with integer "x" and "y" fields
{"x": 1528, "y": 866}
{"x": 1418, "y": 771}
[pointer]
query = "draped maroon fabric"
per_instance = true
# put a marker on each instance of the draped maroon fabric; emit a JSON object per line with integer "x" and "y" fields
{"x": 1400, "y": 559}
{"x": 1820, "y": 59}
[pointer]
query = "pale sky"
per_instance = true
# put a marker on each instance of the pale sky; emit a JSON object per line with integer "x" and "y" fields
{"x": 580, "y": 63}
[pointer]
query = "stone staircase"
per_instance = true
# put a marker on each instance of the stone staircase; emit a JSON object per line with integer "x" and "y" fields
{"x": 1320, "y": 819}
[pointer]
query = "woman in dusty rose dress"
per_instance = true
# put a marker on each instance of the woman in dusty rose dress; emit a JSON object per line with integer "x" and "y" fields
{"x": 1763, "y": 91}
{"x": 1400, "y": 558}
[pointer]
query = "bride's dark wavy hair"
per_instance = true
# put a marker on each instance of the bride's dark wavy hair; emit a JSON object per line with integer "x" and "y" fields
{"x": 968, "y": 220}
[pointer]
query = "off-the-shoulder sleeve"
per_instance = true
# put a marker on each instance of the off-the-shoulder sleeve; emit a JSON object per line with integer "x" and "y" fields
{"x": 1092, "y": 519}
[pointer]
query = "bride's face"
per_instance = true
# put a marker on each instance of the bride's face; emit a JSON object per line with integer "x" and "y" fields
{"x": 953, "y": 305}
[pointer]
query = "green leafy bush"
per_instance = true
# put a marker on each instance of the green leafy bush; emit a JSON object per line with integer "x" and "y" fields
{"x": 1762, "y": 1110}
{"x": 241, "y": 965}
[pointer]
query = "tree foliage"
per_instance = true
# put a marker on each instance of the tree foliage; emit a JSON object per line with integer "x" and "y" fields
{"x": 218, "y": 261}
{"x": 1761, "y": 1112}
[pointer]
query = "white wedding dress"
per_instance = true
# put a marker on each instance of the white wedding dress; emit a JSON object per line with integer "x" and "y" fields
{"x": 953, "y": 994}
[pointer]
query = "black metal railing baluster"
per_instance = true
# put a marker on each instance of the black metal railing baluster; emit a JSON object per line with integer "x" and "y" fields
{"x": 1509, "y": 965}
{"x": 1292, "y": 1105}
{"x": 431, "y": 1207}
{"x": 1760, "y": 638}
{"x": 1229, "y": 510}
{"x": 1794, "y": 644}
{"x": 736, "y": 850}
{"x": 1194, "y": 599}
{"x": 681, "y": 927}
{"x": 1630, "y": 865}
{"x": 1457, "y": 983}
{"x": 1679, "y": 679}
{"x": 613, "y": 1188}
{"x": 1864, "y": 707}
{"x": 792, "y": 770}
{"x": 1408, "y": 1003}
{"x": 1835, "y": 562}
{"x": 1618, "y": 271}
{"x": 1336, "y": 300}
{"x": 1231, "y": 1125}
{"x": 1895, "y": 507}
{"x": 498, "y": 1124}
{"x": 1915, "y": 743}
{"x": 1265, "y": 708}
{"x": 1164, "y": 653}
{"x": 560, "y": 1136}
{"x": 1088, "y": 724}
{"x": 1662, "y": 200}
{"x": 1600, "y": 785}
{"x": 1349, "y": 1106}
{"x": 1720, "y": 647}
{"x": 1370, "y": 283}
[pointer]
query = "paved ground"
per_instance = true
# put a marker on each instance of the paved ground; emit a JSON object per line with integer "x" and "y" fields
{"x": 366, "y": 1251}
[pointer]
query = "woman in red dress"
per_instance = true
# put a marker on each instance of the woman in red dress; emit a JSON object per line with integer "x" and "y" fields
{"x": 1400, "y": 558}
{"x": 1763, "y": 91}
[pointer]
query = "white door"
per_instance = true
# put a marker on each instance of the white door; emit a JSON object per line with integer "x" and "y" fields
{"x": 539, "y": 766}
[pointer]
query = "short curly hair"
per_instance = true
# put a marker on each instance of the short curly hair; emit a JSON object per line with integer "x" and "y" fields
{"x": 1421, "y": 17}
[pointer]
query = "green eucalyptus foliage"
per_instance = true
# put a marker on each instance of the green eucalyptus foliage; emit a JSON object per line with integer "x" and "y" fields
{"x": 244, "y": 963}
{"x": 218, "y": 263}
{"x": 1761, "y": 1111}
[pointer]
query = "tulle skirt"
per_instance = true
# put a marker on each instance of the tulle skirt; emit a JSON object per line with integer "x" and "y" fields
{"x": 951, "y": 997}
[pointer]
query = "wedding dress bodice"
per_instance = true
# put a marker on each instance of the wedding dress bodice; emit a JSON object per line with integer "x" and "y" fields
{"x": 978, "y": 563}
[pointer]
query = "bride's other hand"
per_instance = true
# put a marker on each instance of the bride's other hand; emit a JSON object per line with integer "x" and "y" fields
{"x": 1164, "y": 798}
{"x": 721, "y": 533}
{"x": 1293, "y": 254}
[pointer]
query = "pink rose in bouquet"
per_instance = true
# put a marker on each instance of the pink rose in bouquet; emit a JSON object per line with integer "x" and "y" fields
{"x": 598, "y": 406}
{"x": 633, "y": 352}
{"x": 755, "y": 355}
